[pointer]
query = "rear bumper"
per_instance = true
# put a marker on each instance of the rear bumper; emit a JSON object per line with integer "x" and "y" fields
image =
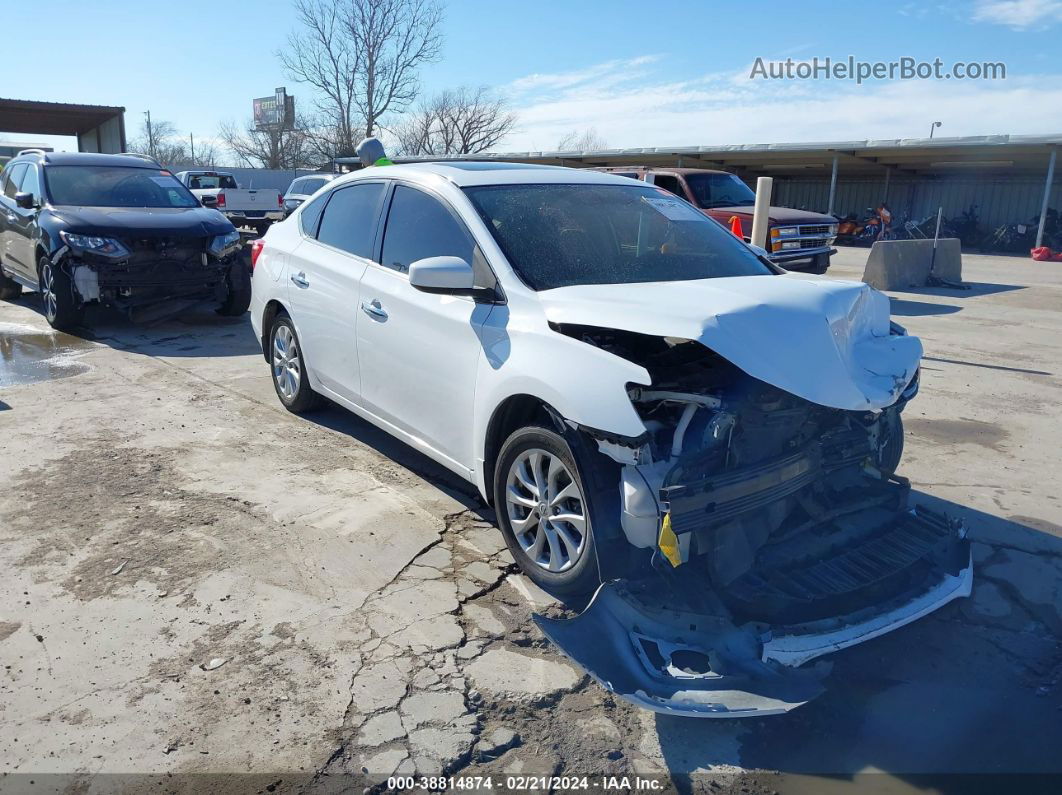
{"x": 253, "y": 216}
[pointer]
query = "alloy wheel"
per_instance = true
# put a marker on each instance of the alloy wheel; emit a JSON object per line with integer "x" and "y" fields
{"x": 287, "y": 366}
{"x": 48, "y": 290}
{"x": 546, "y": 510}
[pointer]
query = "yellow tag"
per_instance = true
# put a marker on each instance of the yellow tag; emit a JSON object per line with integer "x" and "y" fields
{"x": 669, "y": 543}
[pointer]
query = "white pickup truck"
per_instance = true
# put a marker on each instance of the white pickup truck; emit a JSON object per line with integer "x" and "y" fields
{"x": 244, "y": 207}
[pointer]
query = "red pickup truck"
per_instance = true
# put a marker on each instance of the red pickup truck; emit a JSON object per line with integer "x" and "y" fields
{"x": 796, "y": 239}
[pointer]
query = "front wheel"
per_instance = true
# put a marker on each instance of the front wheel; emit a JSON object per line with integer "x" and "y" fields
{"x": 238, "y": 282}
{"x": 543, "y": 513}
{"x": 62, "y": 309}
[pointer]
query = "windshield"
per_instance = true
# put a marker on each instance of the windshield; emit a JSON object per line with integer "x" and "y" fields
{"x": 720, "y": 190}
{"x": 307, "y": 186}
{"x": 116, "y": 186}
{"x": 211, "y": 182}
{"x": 562, "y": 235}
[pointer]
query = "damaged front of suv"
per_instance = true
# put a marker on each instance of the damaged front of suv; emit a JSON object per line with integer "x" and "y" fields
{"x": 119, "y": 231}
{"x": 768, "y": 524}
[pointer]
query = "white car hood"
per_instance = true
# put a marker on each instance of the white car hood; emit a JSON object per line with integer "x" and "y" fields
{"x": 826, "y": 341}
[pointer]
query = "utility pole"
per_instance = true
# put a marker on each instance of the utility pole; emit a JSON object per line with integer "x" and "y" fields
{"x": 191, "y": 140}
{"x": 150, "y": 136}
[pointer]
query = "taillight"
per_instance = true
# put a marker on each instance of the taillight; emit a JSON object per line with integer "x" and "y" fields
{"x": 256, "y": 249}
{"x": 280, "y": 200}
{"x": 221, "y": 200}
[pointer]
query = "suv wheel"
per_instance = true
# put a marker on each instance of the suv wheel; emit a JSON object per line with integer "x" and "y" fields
{"x": 543, "y": 513}
{"x": 289, "y": 368}
{"x": 9, "y": 288}
{"x": 62, "y": 310}
{"x": 238, "y": 282}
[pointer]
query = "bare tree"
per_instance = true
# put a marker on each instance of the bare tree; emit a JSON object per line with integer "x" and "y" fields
{"x": 323, "y": 56}
{"x": 266, "y": 148}
{"x": 362, "y": 56}
{"x": 456, "y": 122}
{"x": 586, "y": 141}
{"x": 161, "y": 140}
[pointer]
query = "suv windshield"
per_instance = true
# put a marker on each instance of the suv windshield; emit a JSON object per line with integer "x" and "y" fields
{"x": 720, "y": 190}
{"x": 562, "y": 235}
{"x": 115, "y": 186}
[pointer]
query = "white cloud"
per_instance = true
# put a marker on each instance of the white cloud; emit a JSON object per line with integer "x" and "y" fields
{"x": 1019, "y": 14}
{"x": 638, "y": 110}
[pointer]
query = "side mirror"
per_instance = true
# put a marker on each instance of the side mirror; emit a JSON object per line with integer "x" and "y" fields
{"x": 25, "y": 200}
{"x": 209, "y": 201}
{"x": 445, "y": 275}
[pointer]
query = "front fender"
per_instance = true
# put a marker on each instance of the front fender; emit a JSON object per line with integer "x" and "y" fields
{"x": 584, "y": 384}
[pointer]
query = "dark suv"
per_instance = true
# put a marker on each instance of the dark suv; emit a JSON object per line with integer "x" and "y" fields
{"x": 115, "y": 229}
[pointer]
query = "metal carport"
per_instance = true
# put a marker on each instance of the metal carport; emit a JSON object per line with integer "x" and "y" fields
{"x": 99, "y": 128}
{"x": 1010, "y": 177}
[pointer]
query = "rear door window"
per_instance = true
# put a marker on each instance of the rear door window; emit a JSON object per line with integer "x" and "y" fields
{"x": 349, "y": 220}
{"x": 420, "y": 226}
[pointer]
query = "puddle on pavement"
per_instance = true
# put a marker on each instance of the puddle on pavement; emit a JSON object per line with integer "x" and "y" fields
{"x": 28, "y": 355}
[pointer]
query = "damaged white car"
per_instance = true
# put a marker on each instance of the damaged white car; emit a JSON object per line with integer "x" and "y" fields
{"x": 660, "y": 417}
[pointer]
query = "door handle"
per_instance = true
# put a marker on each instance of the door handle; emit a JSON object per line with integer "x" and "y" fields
{"x": 299, "y": 279}
{"x": 12, "y": 218}
{"x": 374, "y": 310}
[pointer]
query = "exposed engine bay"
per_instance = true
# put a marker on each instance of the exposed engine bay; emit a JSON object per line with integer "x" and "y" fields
{"x": 146, "y": 271}
{"x": 762, "y": 515}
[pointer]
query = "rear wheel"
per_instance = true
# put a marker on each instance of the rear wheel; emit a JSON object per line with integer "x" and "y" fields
{"x": 543, "y": 513}
{"x": 289, "y": 368}
{"x": 9, "y": 288}
{"x": 62, "y": 309}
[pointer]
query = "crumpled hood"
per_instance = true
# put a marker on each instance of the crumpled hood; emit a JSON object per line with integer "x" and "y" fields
{"x": 145, "y": 221}
{"x": 823, "y": 340}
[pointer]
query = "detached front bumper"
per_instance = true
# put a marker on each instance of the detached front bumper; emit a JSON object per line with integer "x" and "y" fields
{"x": 685, "y": 661}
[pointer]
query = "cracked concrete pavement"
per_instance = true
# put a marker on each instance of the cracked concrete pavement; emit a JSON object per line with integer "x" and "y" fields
{"x": 197, "y": 581}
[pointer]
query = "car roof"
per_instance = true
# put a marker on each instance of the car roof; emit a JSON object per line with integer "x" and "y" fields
{"x": 468, "y": 173}
{"x": 88, "y": 159}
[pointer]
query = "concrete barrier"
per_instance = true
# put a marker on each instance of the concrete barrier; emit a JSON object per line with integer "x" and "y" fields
{"x": 895, "y": 264}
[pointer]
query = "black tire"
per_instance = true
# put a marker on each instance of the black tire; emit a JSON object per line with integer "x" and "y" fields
{"x": 581, "y": 577}
{"x": 62, "y": 309}
{"x": 9, "y": 288}
{"x": 820, "y": 263}
{"x": 301, "y": 398}
{"x": 238, "y": 281}
{"x": 890, "y": 450}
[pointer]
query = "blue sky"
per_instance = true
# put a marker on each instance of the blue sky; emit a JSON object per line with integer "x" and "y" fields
{"x": 640, "y": 74}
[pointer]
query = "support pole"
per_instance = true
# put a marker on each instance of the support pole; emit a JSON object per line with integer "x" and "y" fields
{"x": 885, "y": 194}
{"x": 1047, "y": 198}
{"x": 761, "y": 212}
{"x": 833, "y": 187}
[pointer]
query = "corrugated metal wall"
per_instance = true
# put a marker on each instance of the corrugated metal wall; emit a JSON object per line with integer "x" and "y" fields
{"x": 998, "y": 200}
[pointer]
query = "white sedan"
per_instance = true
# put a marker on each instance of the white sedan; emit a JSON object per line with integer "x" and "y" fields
{"x": 659, "y": 416}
